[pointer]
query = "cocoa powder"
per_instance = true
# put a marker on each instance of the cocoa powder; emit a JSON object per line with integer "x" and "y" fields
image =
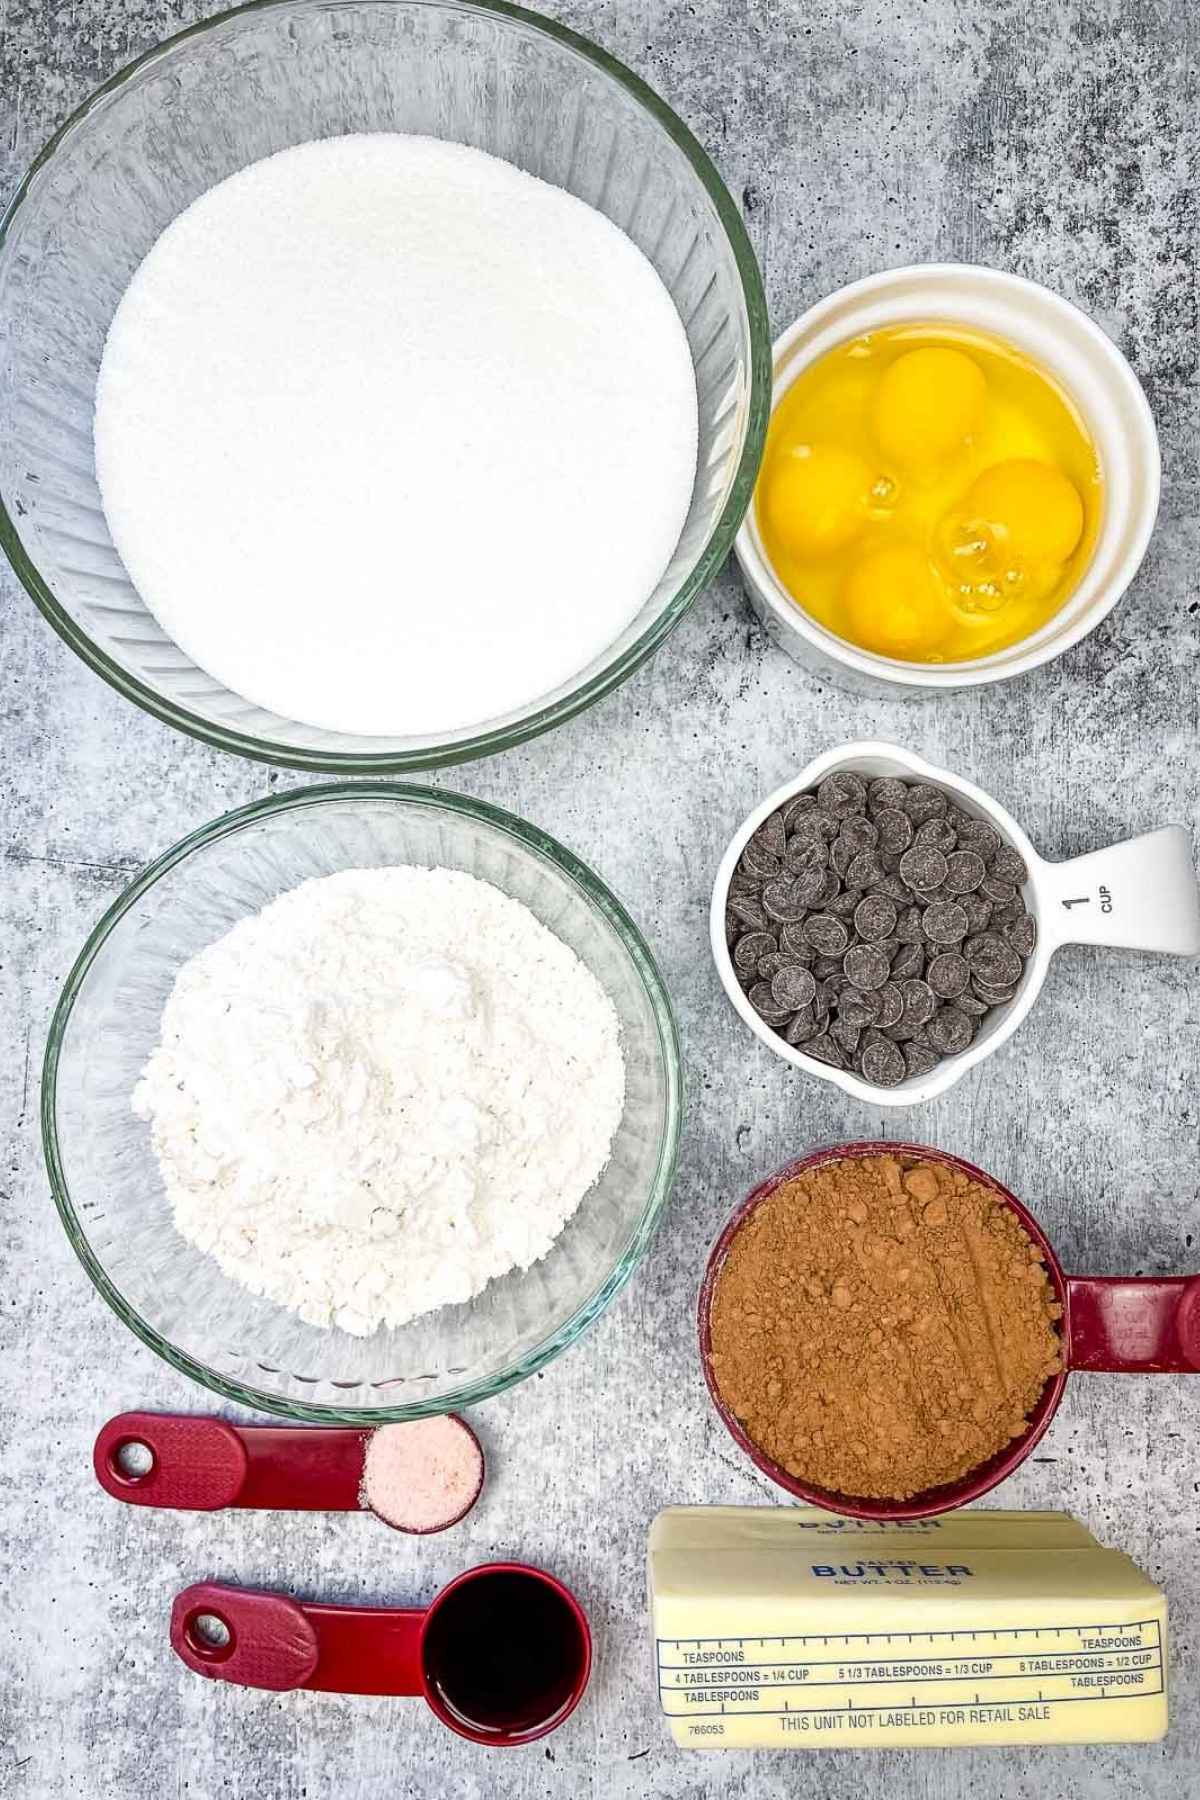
{"x": 882, "y": 1325}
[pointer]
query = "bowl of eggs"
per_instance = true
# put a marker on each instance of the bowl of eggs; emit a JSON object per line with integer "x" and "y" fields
{"x": 960, "y": 481}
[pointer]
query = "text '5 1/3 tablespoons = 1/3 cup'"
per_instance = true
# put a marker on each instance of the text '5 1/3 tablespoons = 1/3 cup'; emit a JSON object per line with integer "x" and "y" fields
{"x": 1139, "y": 895}
{"x": 502, "y": 1655}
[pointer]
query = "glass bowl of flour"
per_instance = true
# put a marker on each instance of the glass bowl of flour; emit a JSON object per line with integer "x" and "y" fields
{"x": 380, "y": 380}
{"x": 411, "y": 1016}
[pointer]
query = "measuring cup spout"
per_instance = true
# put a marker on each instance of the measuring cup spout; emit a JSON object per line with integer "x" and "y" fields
{"x": 1130, "y": 1325}
{"x": 1138, "y": 895}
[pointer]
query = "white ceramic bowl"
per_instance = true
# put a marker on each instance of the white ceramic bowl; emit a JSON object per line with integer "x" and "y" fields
{"x": 1140, "y": 895}
{"x": 1103, "y": 386}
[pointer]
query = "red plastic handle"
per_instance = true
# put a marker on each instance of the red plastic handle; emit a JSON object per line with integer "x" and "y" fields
{"x": 1134, "y": 1325}
{"x": 272, "y": 1641}
{"x": 200, "y": 1464}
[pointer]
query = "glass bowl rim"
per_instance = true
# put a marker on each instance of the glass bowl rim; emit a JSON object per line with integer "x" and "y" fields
{"x": 578, "y": 699}
{"x": 601, "y": 900}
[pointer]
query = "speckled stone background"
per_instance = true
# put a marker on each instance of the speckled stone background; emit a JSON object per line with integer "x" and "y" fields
{"x": 1059, "y": 140}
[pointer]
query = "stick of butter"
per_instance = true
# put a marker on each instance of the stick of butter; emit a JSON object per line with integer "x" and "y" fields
{"x": 787, "y": 1628}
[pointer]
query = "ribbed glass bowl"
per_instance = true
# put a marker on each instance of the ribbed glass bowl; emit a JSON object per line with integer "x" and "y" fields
{"x": 239, "y": 87}
{"x": 105, "y": 1176}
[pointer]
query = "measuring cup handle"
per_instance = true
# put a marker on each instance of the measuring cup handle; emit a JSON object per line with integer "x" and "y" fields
{"x": 270, "y": 1640}
{"x": 1139, "y": 895}
{"x": 197, "y": 1464}
{"x": 1134, "y": 1325}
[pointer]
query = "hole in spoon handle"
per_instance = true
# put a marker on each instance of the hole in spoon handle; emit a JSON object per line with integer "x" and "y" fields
{"x": 1144, "y": 1325}
{"x": 193, "y": 1463}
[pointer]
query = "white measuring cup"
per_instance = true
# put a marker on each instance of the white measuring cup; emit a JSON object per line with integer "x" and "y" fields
{"x": 1138, "y": 895}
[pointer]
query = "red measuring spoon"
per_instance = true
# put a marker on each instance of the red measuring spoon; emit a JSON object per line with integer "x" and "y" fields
{"x": 1125, "y": 1325}
{"x": 502, "y": 1655}
{"x": 201, "y": 1464}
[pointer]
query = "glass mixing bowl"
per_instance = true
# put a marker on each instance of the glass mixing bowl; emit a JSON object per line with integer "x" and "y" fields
{"x": 239, "y": 87}
{"x": 105, "y": 1176}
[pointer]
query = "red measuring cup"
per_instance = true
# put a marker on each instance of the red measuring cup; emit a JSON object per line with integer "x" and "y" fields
{"x": 1125, "y": 1325}
{"x": 197, "y": 1463}
{"x": 502, "y": 1655}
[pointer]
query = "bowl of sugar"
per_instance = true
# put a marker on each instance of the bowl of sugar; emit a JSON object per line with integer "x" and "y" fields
{"x": 362, "y": 1102}
{"x": 380, "y": 380}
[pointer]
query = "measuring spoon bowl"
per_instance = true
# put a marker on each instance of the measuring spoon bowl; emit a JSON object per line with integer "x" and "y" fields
{"x": 1144, "y": 1325}
{"x": 196, "y": 1463}
{"x": 502, "y": 1655}
{"x": 1138, "y": 895}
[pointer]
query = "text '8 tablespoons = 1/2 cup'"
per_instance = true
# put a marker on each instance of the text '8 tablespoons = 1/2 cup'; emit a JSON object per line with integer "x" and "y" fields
{"x": 429, "y": 1477}
{"x": 1125, "y": 1325}
{"x": 1141, "y": 894}
{"x": 502, "y": 1654}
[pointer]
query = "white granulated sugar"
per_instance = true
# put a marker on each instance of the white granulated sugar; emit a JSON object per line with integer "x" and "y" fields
{"x": 380, "y": 1093}
{"x": 393, "y": 438}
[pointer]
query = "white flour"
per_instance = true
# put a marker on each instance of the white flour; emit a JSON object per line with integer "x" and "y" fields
{"x": 393, "y": 438}
{"x": 380, "y": 1093}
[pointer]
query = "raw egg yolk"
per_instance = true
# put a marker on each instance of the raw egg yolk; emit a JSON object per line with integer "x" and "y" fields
{"x": 893, "y": 604}
{"x": 816, "y": 499}
{"x": 927, "y": 405}
{"x": 1031, "y": 506}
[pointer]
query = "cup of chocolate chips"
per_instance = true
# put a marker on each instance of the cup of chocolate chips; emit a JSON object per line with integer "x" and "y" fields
{"x": 885, "y": 924}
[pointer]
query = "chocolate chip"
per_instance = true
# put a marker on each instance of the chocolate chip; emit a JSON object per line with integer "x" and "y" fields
{"x": 910, "y": 926}
{"x": 830, "y": 890}
{"x": 920, "y": 1059}
{"x": 793, "y": 987}
{"x": 951, "y": 1030}
{"x": 859, "y": 1008}
{"x": 893, "y": 888}
{"x": 757, "y": 860}
{"x": 827, "y": 934}
{"x": 938, "y": 834}
{"x": 920, "y": 1002}
{"x": 978, "y": 911}
{"x": 841, "y": 794}
{"x": 733, "y": 929}
{"x": 804, "y": 1026}
{"x": 978, "y": 835}
{"x": 845, "y": 904}
{"x": 809, "y": 875}
{"x": 886, "y": 791}
{"x": 763, "y": 1001}
{"x": 895, "y": 830}
{"x": 793, "y": 940}
{"x": 1022, "y": 934}
{"x": 890, "y": 1001}
{"x": 923, "y": 868}
{"x": 908, "y": 963}
{"x": 858, "y": 833}
{"x": 825, "y": 1050}
{"x": 992, "y": 960}
{"x": 783, "y": 900}
{"x": 874, "y": 918}
{"x": 749, "y": 910}
{"x": 923, "y": 802}
{"x": 1009, "y": 865}
{"x": 771, "y": 835}
{"x": 772, "y": 961}
{"x": 792, "y": 809}
{"x": 865, "y": 870}
{"x": 815, "y": 829}
{"x": 945, "y": 922}
{"x": 993, "y": 887}
{"x": 845, "y": 1034}
{"x": 883, "y": 1064}
{"x": 825, "y": 966}
{"x": 993, "y": 993}
{"x": 867, "y": 966}
{"x": 965, "y": 869}
{"x": 972, "y": 1004}
{"x": 948, "y": 975}
{"x": 750, "y": 947}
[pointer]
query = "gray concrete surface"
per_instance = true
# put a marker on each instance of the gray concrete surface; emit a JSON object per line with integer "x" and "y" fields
{"x": 1057, "y": 140}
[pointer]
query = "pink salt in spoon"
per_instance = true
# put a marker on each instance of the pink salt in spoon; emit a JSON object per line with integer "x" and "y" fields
{"x": 420, "y": 1476}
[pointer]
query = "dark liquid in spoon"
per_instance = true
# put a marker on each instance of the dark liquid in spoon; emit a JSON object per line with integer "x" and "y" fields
{"x": 503, "y": 1653}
